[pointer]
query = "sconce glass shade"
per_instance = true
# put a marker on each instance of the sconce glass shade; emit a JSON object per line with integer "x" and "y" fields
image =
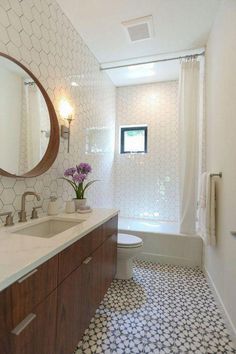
{"x": 65, "y": 110}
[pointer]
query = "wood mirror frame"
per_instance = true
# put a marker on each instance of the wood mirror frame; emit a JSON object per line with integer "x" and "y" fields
{"x": 54, "y": 141}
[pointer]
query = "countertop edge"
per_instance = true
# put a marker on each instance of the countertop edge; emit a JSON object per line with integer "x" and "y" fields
{"x": 25, "y": 270}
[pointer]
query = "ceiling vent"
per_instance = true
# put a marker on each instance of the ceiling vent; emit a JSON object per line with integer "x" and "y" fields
{"x": 139, "y": 28}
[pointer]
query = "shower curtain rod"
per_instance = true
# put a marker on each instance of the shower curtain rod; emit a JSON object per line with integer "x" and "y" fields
{"x": 154, "y": 61}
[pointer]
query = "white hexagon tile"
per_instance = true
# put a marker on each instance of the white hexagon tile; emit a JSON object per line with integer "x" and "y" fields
{"x": 39, "y": 35}
{"x": 146, "y": 185}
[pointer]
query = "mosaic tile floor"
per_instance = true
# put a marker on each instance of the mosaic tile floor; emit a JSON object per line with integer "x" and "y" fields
{"x": 164, "y": 309}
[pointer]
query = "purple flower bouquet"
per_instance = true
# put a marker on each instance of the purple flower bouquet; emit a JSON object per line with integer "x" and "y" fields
{"x": 76, "y": 177}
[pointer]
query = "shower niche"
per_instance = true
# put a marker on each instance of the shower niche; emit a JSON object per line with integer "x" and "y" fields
{"x": 29, "y": 132}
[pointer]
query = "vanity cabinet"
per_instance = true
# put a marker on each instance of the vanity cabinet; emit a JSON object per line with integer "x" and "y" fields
{"x": 80, "y": 294}
{"x": 28, "y": 312}
{"x": 72, "y": 313}
{"x": 38, "y": 336}
{"x": 32, "y": 289}
{"x": 47, "y": 311}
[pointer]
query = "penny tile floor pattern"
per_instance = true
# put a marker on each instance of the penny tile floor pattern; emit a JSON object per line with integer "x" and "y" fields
{"x": 164, "y": 309}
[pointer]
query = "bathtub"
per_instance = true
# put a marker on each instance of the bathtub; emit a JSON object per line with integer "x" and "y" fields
{"x": 163, "y": 243}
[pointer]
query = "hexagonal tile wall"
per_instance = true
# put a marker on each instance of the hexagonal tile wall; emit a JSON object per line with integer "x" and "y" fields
{"x": 38, "y": 34}
{"x": 146, "y": 185}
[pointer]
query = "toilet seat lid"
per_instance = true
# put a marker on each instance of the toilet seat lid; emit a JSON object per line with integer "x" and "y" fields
{"x": 125, "y": 240}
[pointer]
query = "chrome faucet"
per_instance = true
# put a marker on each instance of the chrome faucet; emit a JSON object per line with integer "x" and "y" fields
{"x": 22, "y": 213}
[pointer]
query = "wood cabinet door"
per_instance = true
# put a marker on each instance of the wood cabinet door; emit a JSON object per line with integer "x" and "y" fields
{"x": 95, "y": 290}
{"x": 110, "y": 227}
{"x": 32, "y": 289}
{"x": 109, "y": 261}
{"x": 5, "y": 322}
{"x": 73, "y": 310}
{"x": 102, "y": 271}
{"x": 37, "y": 332}
{"x": 80, "y": 294}
{"x": 73, "y": 256}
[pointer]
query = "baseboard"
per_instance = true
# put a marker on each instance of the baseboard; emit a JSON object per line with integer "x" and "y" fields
{"x": 167, "y": 259}
{"x": 225, "y": 314}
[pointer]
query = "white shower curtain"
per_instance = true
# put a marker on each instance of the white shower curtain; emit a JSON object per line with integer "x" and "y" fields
{"x": 29, "y": 151}
{"x": 189, "y": 98}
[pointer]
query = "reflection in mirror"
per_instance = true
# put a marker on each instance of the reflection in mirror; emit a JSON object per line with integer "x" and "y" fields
{"x": 98, "y": 140}
{"x": 24, "y": 120}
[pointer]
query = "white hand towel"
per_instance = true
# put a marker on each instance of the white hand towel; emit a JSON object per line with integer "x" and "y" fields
{"x": 202, "y": 204}
{"x": 207, "y": 207}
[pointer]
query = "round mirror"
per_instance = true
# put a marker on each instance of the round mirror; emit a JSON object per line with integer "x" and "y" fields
{"x": 29, "y": 132}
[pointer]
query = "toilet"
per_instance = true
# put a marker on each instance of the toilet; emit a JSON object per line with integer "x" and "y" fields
{"x": 128, "y": 246}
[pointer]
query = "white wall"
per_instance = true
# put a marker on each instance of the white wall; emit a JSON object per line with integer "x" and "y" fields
{"x": 39, "y": 35}
{"x": 220, "y": 262}
{"x": 146, "y": 185}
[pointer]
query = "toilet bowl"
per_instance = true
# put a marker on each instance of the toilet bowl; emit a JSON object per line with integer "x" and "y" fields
{"x": 128, "y": 247}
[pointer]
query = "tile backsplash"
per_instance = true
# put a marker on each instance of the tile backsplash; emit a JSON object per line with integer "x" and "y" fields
{"x": 38, "y": 34}
{"x": 146, "y": 185}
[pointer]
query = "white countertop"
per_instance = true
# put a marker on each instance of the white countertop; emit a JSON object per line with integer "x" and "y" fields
{"x": 19, "y": 254}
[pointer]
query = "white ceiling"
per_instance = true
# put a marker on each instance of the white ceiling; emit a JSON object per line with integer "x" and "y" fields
{"x": 133, "y": 74}
{"x": 143, "y": 74}
{"x": 179, "y": 25}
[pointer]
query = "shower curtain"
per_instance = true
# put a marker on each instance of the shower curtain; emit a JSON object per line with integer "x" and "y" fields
{"x": 29, "y": 150}
{"x": 189, "y": 100}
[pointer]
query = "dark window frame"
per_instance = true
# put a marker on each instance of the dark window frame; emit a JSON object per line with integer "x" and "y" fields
{"x": 122, "y": 139}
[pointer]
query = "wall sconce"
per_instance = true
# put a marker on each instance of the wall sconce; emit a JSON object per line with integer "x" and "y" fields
{"x": 66, "y": 111}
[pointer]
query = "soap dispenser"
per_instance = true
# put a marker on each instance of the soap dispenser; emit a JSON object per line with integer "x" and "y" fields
{"x": 53, "y": 206}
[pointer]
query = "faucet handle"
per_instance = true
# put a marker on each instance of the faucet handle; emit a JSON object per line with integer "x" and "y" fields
{"x": 22, "y": 216}
{"x": 9, "y": 218}
{"x": 34, "y": 214}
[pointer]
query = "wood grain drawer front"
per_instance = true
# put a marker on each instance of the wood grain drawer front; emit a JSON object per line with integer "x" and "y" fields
{"x": 5, "y": 323}
{"x": 110, "y": 227}
{"x": 73, "y": 314}
{"x": 35, "y": 334}
{"x": 5, "y": 346}
{"x": 5, "y": 319}
{"x": 80, "y": 294}
{"x": 73, "y": 256}
{"x": 108, "y": 266}
{"x": 31, "y": 290}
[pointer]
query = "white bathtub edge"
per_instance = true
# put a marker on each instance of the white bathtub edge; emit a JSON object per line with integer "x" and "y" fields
{"x": 173, "y": 249}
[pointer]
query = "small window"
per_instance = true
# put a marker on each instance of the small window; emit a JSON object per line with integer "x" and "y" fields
{"x": 133, "y": 139}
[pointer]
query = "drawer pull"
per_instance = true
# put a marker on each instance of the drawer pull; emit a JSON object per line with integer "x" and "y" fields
{"x": 21, "y": 326}
{"x": 87, "y": 260}
{"x": 27, "y": 276}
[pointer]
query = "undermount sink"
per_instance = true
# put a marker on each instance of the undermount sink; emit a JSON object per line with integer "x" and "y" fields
{"x": 48, "y": 228}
